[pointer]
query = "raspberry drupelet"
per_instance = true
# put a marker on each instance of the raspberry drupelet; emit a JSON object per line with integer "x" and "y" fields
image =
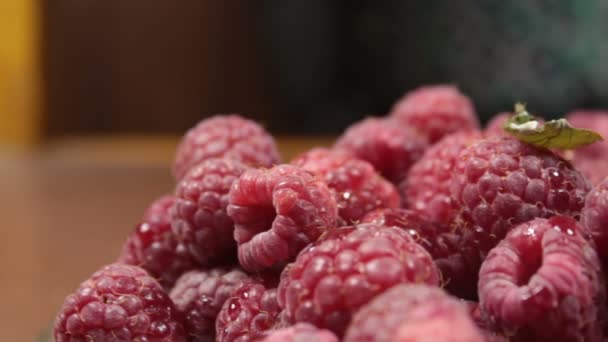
{"x": 594, "y": 218}
{"x": 334, "y": 277}
{"x": 389, "y": 146}
{"x": 427, "y": 186}
{"x": 199, "y": 217}
{"x": 119, "y": 303}
{"x": 154, "y": 247}
{"x": 248, "y": 314}
{"x": 357, "y": 186}
{"x": 225, "y": 136}
{"x": 277, "y": 212}
{"x": 413, "y": 313}
{"x": 199, "y": 296}
{"x": 543, "y": 282}
{"x": 301, "y": 332}
{"x": 437, "y": 111}
{"x": 500, "y": 182}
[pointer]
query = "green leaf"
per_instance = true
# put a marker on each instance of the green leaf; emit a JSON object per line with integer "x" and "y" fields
{"x": 552, "y": 134}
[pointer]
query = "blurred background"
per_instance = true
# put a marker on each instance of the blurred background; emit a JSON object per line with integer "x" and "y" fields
{"x": 94, "y": 95}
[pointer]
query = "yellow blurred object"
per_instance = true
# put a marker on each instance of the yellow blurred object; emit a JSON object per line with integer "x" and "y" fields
{"x": 19, "y": 74}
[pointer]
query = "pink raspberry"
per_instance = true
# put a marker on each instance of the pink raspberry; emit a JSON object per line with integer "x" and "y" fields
{"x": 436, "y": 111}
{"x": 427, "y": 187}
{"x": 496, "y": 125}
{"x": 277, "y": 212}
{"x": 413, "y": 313}
{"x": 591, "y": 160}
{"x": 334, "y": 277}
{"x": 225, "y": 136}
{"x": 301, "y": 332}
{"x": 386, "y": 144}
{"x": 500, "y": 182}
{"x": 199, "y": 218}
{"x": 357, "y": 186}
{"x": 119, "y": 303}
{"x": 199, "y": 295}
{"x": 440, "y": 241}
{"x": 594, "y": 218}
{"x": 249, "y": 313}
{"x": 155, "y": 248}
{"x": 543, "y": 282}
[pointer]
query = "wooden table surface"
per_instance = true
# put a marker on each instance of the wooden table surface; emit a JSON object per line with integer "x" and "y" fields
{"x": 65, "y": 211}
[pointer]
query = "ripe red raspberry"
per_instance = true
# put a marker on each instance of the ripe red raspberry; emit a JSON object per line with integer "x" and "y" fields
{"x": 248, "y": 314}
{"x": 496, "y": 125}
{"x": 119, "y": 303}
{"x": 199, "y": 217}
{"x": 199, "y": 295}
{"x": 334, "y": 277}
{"x": 389, "y": 146}
{"x": 413, "y": 313}
{"x": 357, "y": 186}
{"x": 427, "y": 186}
{"x": 594, "y": 218}
{"x": 501, "y": 182}
{"x": 591, "y": 160}
{"x": 277, "y": 212}
{"x": 155, "y": 248}
{"x": 225, "y": 136}
{"x": 440, "y": 241}
{"x": 301, "y": 332}
{"x": 436, "y": 111}
{"x": 543, "y": 283}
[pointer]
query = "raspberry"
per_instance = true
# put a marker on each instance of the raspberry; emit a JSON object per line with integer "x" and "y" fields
{"x": 594, "y": 218}
{"x": 427, "y": 186}
{"x": 543, "y": 283}
{"x": 301, "y": 332}
{"x": 228, "y": 136}
{"x": 496, "y": 125}
{"x": 436, "y": 111}
{"x": 199, "y": 295}
{"x": 334, "y": 277}
{"x": 277, "y": 212}
{"x": 154, "y": 247}
{"x": 199, "y": 217}
{"x": 591, "y": 160}
{"x": 357, "y": 186}
{"x": 119, "y": 303}
{"x": 413, "y": 313}
{"x": 386, "y": 144}
{"x": 501, "y": 182}
{"x": 439, "y": 240}
{"x": 248, "y": 314}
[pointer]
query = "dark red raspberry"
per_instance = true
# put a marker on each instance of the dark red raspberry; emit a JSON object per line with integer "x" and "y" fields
{"x": 501, "y": 182}
{"x": 357, "y": 186}
{"x": 543, "y": 283}
{"x": 248, "y": 314}
{"x": 496, "y": 125}
{"x": 591, "y": 160}
{"x": 199, "y": 217}
{"x": 199, "y": 295}
{"x": 594, "y": 218}
{"x": 301, "y": 332}
{"x": 155, "y": 248}
{"x": 441, "y": 243}
{"x": 334, "y": 277}
{"x": 225, "y": 136}
{"x": 436, "y": 111}
{"x": 427, "y": 186}
{"x": 119, "y": 303}
{"x": 386, "y": 144}
{"x": 413, "y": 313}
{"x": 277, "y": 212}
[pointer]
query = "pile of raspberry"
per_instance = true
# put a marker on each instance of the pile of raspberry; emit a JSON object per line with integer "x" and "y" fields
{"x": 414, "y": 227}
